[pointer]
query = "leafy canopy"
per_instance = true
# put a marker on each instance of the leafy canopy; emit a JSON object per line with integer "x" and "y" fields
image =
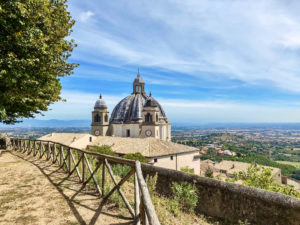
{"x": 33, "y": 56}
{"x": 261, "y": 177}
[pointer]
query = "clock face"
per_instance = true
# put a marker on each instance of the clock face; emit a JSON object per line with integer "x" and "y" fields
{"x": 97, "y": 132}
{"x": 148, "y": 133}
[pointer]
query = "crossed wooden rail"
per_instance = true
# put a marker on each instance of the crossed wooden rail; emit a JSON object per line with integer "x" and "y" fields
{"x": 83, "y": 162}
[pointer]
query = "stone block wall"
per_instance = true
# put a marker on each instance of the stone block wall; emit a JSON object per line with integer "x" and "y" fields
{"x": 232, "y": 202}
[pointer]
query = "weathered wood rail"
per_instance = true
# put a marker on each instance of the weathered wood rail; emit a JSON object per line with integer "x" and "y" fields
{"x": 86, "y": 165}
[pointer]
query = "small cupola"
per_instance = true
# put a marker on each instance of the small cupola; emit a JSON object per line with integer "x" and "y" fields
{"x": 100, "y": 103}
{"x": 138, "y": 85}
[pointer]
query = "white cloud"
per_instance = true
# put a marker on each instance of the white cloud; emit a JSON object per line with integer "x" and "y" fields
{"x": 255, "y": 42}
{"x": 79, "y": 105}
{"x": 85, "y": 16}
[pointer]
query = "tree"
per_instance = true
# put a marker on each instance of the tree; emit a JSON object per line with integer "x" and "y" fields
{"x": 261, "y": 177}
{"x": 136, "y": 156}
{"x": 33, "y": 56}
{"x": 104, "y": 149}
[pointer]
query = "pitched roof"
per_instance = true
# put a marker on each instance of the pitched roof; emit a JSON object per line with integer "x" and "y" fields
{"x": 235, "y": 166}
{"x": 69, "y": 139}
{"x": 148, "y": 147}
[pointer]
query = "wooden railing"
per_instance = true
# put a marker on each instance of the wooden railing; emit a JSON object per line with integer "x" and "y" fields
{"x": 92, "y": 168}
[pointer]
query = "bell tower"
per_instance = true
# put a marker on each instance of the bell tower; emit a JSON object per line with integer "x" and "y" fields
{"x": 100, "y": 118}
{"x": 150, "y": 125}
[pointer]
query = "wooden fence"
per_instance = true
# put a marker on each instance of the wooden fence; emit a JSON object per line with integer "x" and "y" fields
{"x": 92, "y": 168}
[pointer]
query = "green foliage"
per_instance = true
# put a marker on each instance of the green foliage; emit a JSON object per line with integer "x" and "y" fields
{"x": 187, "y": 170}
{"x": 115, "y": 197}
{"x": 229, "y": 180}
{"x": 173, "y": 207}
{"x": 136, "y": 157}
{"x": 244, "y": 155}
{"x": 236, "y": 176}
{"x": 121, "y": 171}
{"x": 209, "y": 173}
{"x": 219, "y": 177}
{"x": 243, "y": 222}
{"x": 104, "y": 149}
{"x": 151, "y": 184}
{"x": 261, "y": 177}
{"x": 186, "y": 195}
{"x": 33, "y": 56}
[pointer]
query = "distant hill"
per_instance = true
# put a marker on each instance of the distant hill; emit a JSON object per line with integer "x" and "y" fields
{"x": 87, "y": 123}
{"x": 50, "y": 123}
{"x": 238, "y": 125}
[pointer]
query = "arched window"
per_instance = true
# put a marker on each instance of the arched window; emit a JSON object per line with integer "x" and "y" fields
{"x": 148, "y": 118}
{"x": 97, "y": 118}
{"x": 156, "y": 117}
{"x": 137, "y": 88}
{"x": 106, "y": 118}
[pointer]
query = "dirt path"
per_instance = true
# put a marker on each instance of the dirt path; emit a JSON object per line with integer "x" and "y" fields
{"x": 37, "y": 192}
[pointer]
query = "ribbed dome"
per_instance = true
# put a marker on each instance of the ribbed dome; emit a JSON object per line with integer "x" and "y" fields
{"x": 100, "y": 103}
{"x": 151, "y": 102}
{"x": 129, "y": 110}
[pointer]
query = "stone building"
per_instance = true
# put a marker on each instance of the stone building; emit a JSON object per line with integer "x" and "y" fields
{"x": 157, "y": 152}
{"x": 138, "y": 115}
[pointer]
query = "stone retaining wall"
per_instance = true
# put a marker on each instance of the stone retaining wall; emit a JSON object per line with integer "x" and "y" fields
{"x": 232, "y": 202}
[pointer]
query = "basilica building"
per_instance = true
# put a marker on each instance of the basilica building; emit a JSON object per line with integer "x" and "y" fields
{"x": 138, "y": 115}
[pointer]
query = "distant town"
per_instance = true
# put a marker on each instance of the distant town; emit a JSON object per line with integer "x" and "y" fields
{"x": 276, "y": 147}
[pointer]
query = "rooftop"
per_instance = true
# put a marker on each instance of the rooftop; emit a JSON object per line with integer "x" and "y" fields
{"x": 234, "y": 166}
{"x": 149, "y": 147}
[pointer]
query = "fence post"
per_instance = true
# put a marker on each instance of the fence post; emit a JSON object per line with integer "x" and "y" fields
{"x": 54, "y": 151}
{"x": 29, "y": 147}
{"x": 12, "y": 144}
{"x": 48, "y": 150}
{"x": 83, "y": 168}
{"x": 103, "y": 176}
{"x": 137, "y": 200}
{"x": 60, "y": 155}
{"x": 69, "y": 160}
{"x": 34, "y": 148}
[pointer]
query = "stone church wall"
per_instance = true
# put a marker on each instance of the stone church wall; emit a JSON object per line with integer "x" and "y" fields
{"x": 179, "y": 161}
{"x": 120, "y": 130}
{"x": 232, "y": 202}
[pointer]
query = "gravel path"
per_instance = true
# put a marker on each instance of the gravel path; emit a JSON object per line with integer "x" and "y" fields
{"x": 37, "y": 192}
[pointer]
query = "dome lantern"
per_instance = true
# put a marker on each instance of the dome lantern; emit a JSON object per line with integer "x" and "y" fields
{"x": 138, "y": 85}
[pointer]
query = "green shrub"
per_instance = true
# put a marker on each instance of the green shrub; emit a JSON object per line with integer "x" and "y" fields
{"x": 136, "y": 157}
{"x": 261, "y": 177}
{"x": 236, "y": 176}
{"x": 151, "y": 184}
{"x": 186, "y": 195}
{"x": 173, "y": 207}
{"x": 209, "y": 173}
{"x": 104, "y": 149}
{"x": 121, "y": 170}
{"x": 187, "y": 170}
{"x": 219, "y": 177}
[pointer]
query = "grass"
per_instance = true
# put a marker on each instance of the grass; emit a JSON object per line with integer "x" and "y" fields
{"x": 23, "y": 219}
{"x": 296, "y": 164}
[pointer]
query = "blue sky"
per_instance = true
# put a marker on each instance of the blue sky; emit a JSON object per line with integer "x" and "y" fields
{"x": 205, "y": 61}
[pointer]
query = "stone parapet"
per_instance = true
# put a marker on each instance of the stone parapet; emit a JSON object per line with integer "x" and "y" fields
{"x": 232, "y": 202}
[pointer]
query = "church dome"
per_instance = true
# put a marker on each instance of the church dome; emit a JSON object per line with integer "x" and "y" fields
{"x": 100, "y": 103}
{"x": 151, "y": 102}
{"x": 129, "y": 109}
